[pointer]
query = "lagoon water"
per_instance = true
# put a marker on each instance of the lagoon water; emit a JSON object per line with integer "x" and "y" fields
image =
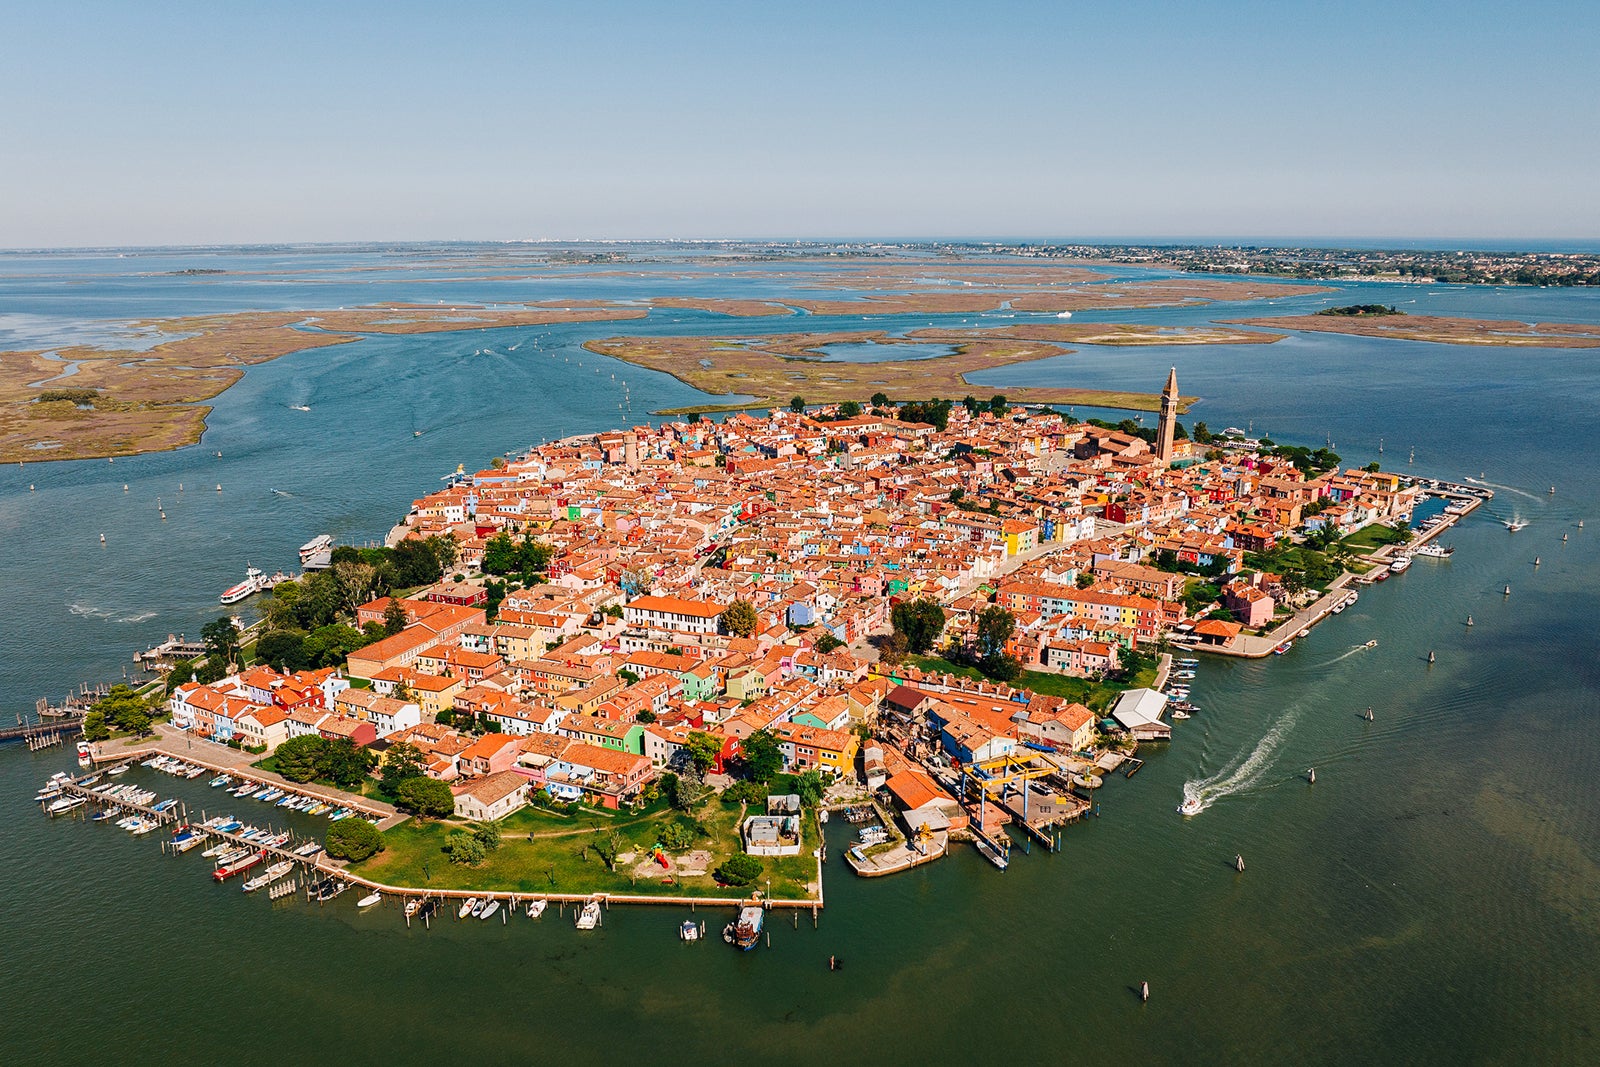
{"x": 1435, "y": 897}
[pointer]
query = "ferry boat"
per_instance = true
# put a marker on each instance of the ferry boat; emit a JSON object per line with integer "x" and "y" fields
{"x": 317, "y": 553}
{"x": 1434, "y": 550}
{"x": 254, "y": 582}
{"x": 745, "y": 932}
{"x": 589, "y": 917}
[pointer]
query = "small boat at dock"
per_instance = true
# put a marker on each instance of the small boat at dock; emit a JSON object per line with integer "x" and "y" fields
{"x": 745, "y": 931}
{"x": 370, "y": 899}
{"x": 589, "y": 917}
{"x": 467, "y": 907}
{"x": 238, "y": 866}
{"x": 536, "y": 908}
{"x": 268, "y": 876}
{"x": 488, "y": 909}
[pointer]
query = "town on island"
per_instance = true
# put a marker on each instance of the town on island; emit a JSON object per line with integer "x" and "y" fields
{"x": 648, "y": 665}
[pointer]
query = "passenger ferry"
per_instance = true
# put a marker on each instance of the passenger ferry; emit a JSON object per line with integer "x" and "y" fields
{"x": 255, "y": 580}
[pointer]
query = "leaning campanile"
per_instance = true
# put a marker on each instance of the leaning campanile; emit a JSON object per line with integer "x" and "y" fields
{"x": 1169, "y": 418}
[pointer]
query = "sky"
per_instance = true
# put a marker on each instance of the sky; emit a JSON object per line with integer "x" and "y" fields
{"x": 255, "y": 122}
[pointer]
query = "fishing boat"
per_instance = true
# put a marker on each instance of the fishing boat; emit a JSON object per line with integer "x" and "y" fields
{"x": 268, "y": 876}
{"x": 536, "y": 908}
{"x": 744, "y": 932}
{"x": 488, "y": 909}
{"x": 238, "y": 866}
{"x": 370, "y": 899}
{"x": 589, "y": 917}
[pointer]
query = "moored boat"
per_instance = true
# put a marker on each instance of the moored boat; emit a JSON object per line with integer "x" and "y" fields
{"x": 238, "y": 866}
{"x": 745, "y": 931}
{"x": 589, "y": 917}
{"x": 488, "y": 909}
{"x": 268, "y": 876}
{"x": 370, "y": 899}
{"x": 536, "y": 908}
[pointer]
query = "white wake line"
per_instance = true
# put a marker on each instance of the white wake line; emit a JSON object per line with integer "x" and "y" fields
{"x": 1246, "y": 773}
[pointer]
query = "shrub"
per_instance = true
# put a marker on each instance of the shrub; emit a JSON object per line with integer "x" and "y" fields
{"x": 738, "y": 871}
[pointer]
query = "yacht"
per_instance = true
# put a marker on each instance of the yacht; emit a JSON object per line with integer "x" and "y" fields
{"x": 1434, "y": 550}
{"x": 1400, "y": 564}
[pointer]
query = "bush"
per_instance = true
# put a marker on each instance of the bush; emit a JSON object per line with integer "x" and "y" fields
{"x": 676, "y": 837}
{"x": 738, "y": 871}
{"x": 353, "y": 839}
{"x": 464, "y": 849}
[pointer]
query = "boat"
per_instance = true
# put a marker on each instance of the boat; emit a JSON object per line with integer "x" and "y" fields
{"x": 121, "y": 768}
{"x": 488, "y": 909}
{"x": 536, "y": 908}
{"x": 467, "y": 907}
{"x": 744, "y": 932}
{"x": 1373, "y": 643}
{"x": 310, "y": 848}
{"x": 589, "y": 917}
{"x": 238, "y": 866}
{"x": 220, "y": 780}
{"x": 191, "y": 842}
{"x": 317, "y": 552}
{"x": 688, "y": 930}
{"x": 254, "y": 582}
{"x": 1190, "y": 806}
{"x": 329, "y": 888}
{"x": 1381, "y": 576}
{"x": 1179, "y": 713}
{"x": 66, "y": 804}
{"x": 412, "y": 907}
{"x": 268, "y": 876}
{"x": 298, "y": 407}
{"x": 1515, "y": 524}
{"x": 1399, "y": 564}
{"x": 370, "y": 899}
{"x": 1434, "y": 550}
{"x": 103, "y": 814}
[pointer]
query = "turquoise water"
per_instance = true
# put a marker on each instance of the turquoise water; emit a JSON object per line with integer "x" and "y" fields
{"x": 1433, "y": 898}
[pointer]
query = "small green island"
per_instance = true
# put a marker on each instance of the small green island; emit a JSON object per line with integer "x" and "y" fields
{"x": 1362, "y": 310}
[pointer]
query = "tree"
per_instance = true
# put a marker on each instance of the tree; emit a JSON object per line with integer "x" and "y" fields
{"x": 892, "y": 648}
{"x": 283, "y": 650}
{"x": 297, "y": 758}
{"x": 997, "y": 405}
{"x": 353, "y": 839}
{"x": 797, "y": 405}
{"x": 608, "y": 847}
{"x": 487, "y": 834}
{"x": 182, "y": 674}
{"x": 94, "y": 727}
{"x": 738, "y": 870}
{"x": 828, "y": 642}
{"x": 426, "y": 797}
{"x": 740, "y": 619}
{"x": 921, "y": 621}
{"x": 499, "y": 554}
{"x": 703, "y": 749}
{"x": 1202, "y": 433}
{"x": 809, "y": 787}
{"x": 401, "y": 763}
{"x": 995, "y": 627}
{"x": 533, "y": 557}
{"x": 221, "y": 639}
{"x": 463, "y": 849}
{"x": 763, "y": 756}
{"x": 395, "y": 617}
{"x": 972, "y": 404}
{"x": 675, "y": 837}
{"x": 343, "y": 763}
{"x": 123, "y": 709}
{"x": 850, "y": 409}
{"x": 880, "y": 400}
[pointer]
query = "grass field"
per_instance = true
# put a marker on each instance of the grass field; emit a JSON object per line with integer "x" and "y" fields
{"x": 548, "y": 851}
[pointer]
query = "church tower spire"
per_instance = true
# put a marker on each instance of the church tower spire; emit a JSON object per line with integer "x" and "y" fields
{"x": 1169, "y": 418}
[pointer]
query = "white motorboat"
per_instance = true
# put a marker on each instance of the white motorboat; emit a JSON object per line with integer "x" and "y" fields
{"x": 589, "y": 917}
{"x": 536, "y": 908}
{"x": 488, "y": 909}
{"x": 466, "y": 907}
{"x": 1190, "y": 806}
{"x": 370, "y": 899}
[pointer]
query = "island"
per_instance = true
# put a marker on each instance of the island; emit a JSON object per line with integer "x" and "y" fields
{"x": 652, "y": 665}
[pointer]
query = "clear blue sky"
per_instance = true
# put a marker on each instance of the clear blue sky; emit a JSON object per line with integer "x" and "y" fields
{"x": 155, "y": 123}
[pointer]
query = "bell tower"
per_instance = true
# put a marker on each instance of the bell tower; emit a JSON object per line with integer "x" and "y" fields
{"x": 1169, "y": 418}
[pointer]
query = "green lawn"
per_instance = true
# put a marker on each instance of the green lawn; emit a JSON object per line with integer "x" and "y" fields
{"x": 1097, "y": 696}
{"x": 1370, "y": 537}
{"x": 559, "y": 857}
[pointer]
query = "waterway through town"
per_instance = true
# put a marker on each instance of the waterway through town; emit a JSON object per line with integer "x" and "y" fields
{"x": 1433, "y": 897}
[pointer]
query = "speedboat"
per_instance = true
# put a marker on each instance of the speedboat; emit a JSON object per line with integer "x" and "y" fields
{"x": 1516, "y": 524}
{"x": 220, "y": 780}
{"x": 1190, "y": 806}
{"x": 370, "y": 899}
{"x": 1371, "y": 644}
{"x": 536, "y": 908}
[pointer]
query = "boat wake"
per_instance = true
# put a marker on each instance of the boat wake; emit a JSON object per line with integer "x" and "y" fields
{"x": 87, "y": 611}
{"x": 1357, "y": 649}
{"x": 1200, "y": 794}
{"x": 1507, "y": 488}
